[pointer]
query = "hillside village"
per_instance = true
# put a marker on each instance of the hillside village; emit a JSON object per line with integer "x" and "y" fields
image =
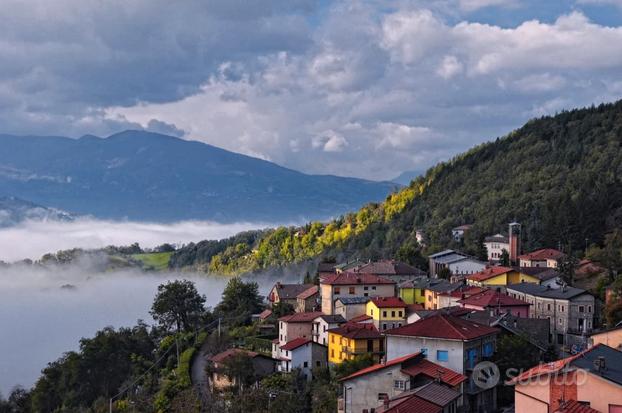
{"x": 420, "y": 340}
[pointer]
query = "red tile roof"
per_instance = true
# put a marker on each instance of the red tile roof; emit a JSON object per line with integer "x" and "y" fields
{"x": 308, "y": 292}
{"x": 488, "y": 273}
{"x": 408, "y": 404}
{"x": 443, "y": 326}
{"x": 491, "y": 298}
{"x": 351, "y": 278}
{"x": 467, "y": 291}
{"x": 415, "y": 307}
{"x": 357, "y": 331}
{"x": 301, "y": 317}
{"x": 295, "y": 343}
{"x": 360, "y": 318}
{"x": 543, "y": 254}
{"x": 380, "y": 366}
{"x": 220, "y": 357}
{"x": 573, "y": 406}
{"x": 265, "y": 314}
{"x": 545, "y": 368}
{"x": 388, "y": 302}
{"x": 434, "y": 371}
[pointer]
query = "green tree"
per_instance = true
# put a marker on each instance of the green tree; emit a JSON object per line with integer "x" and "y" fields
{"x": 505, "y": 258}
{"x": 239, "y": 301}
{"x": 281, "y": 309}
{"x": 566, "y": 267}
{"x": 444, "y": 273}
{"x": 348, "y": 367}
{"x": 178, "y": 304}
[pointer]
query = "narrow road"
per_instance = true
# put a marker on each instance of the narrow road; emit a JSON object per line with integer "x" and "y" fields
{"x": 198, "y": 374}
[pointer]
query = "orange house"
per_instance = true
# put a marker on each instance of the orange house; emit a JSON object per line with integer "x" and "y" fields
{"x": 592, "y": 378}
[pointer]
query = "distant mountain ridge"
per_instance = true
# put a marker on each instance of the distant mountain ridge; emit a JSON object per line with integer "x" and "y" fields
{"x": 14, "y": 211}
{"x": 144, "y": 176}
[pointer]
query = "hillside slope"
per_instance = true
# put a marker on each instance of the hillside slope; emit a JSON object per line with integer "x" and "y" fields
{"x": 560, "y": 176}
{"x": 146, "y": 176}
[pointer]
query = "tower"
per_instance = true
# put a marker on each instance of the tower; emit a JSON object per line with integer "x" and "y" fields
{"x": 514, "y": 235}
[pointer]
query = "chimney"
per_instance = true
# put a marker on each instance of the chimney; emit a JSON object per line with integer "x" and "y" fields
{"x": 278, "y": 284}
{"x": 514, "y": 238}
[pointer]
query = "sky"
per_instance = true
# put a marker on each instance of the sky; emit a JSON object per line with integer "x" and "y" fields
{"x": 357, "y": 88}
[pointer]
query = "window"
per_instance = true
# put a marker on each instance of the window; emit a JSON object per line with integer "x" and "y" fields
{"x": 366, "y": 295}
{"x": 384, "y": 314}
{"x": 332, "y": 339}
{"x": 366, "y": 288}
{"x": 317, "y": 363}
{"x": 399, "y": 313}
{"x": 392, "y": 313}
{"x": 581, "y": 309}
{"x": 548, "y": 307}
{"x": 424, "y": 351}
{"x": 370, "y": 346}
{"x": 382, "y": 396}
{"x": 352, "y": 290}
{"x": 561, "y": 308}
{"x": 487, "y": 350}
{"x": 442, "y": 355}
{"x": 305, "y": 364}
{"x": 384, "y": 326}
{"x": 560, "y": 339}
{"x": 337, "y": 290}
{"x": 381, "y": 344}
{"x": 371, "y": 311}
{"x": 399, "y": 384}
{"x": 373, "y": 287}
{"x": 561, "y": 321}
{"x": 325, "y": 328}
{"x": 589, "y": 308}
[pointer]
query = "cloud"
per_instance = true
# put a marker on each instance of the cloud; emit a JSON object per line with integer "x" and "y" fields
{"x": 32, "y": 239}
{"x": 308, "y": 85}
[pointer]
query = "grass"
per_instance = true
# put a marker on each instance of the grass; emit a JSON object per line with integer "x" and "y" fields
{"x": 156, "y": 260}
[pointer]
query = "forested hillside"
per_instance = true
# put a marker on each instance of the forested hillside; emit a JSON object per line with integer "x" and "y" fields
{"x": 559, "y": 176}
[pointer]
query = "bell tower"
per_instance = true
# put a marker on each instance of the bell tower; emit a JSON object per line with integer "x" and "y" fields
{"x": 514, "y": 238}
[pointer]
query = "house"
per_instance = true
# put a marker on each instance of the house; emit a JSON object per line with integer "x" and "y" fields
{"x": 387, "y": 312}
{"x": 458, "y": 263}
{"x": 286, "y": 293}
{"x": 611, "y": 337}
{"x": 304, "y": 354}
{"x": 548, "y": 277}
{"x": 413, "y": 291}
{"x": 366, "y": 389}
{"x": 450, "y": 298}
{"x": 262, "y": 366}
{"x": 352, "y": 340}
{"x": 308, "y": 300}
{"x": 294, "y": 326}
{"x": 495, "y": 302}
{"x": 350, "y": 284}
{"x": 499, "y": 276}
{"x": 393, "y": 270}
{"x": 547, "y": 257}
{"x": 433, "y": 292}
{"x": 429, "y": 398}
{"x": 495, "y": 245}
{"x": 322, "y": 324}
{"x": 592, "y": 377}
{"x": 457, "y": 233}
{"x": 351, "y": 307}
{"x": 450, "y": 342}
{"x": 569, "y": 310}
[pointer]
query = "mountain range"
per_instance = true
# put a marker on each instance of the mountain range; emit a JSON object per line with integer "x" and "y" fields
{"x": 559, "y": 176}
{"x": 146, "y": 176}
{"x": 14, "y": 210}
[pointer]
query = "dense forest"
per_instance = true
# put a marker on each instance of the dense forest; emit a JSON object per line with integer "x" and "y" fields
{"x": 560, "y": 176}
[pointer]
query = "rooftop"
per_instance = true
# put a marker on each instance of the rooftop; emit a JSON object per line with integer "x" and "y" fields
{"x": 409, "y": 402}
{"x": 353, "y": 300}
{"x": 381, "y": 366}
{"x": 500, "y": 238}
{"x": 309, "y": 292}
{"x": 360, "y": 318}
{"x": 434, "y": 371}
{"x": 388, "y": 302}
{"x": 543, "y": 254}
{"x": 492, "y": 298}
{"x": 290, "y": 291}
{"x": 564, "y": 293}
{"x": 438, "y": 394}
{"x": 488, "y": 273}
{"x": 442, "y": 253}
{"x": 389, "y": 267}
{"x": 351, "y": 278}
{"x": 220, "y": 357}
{"x": 301, "y": 317}
{"x": 295, "y": 343}
{"x": 332, "y": 319}
{"x": 573, "y": 406}
{"x": 443, "y": 326}
{"x": 357, "y": 331}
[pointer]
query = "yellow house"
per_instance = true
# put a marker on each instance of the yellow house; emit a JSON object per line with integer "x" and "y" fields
{"x": 500, "y": 276}
{"x": 412, "y": 292}
{"x": 387, "y": 312}
{"x": 352, "y": 340}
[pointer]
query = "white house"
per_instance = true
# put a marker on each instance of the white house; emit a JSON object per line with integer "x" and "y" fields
{"x": 457, "y": 262}
{"x": 495, "y": 245}
{"x": 302, "y": 353}
{"x": 322, "y": 324}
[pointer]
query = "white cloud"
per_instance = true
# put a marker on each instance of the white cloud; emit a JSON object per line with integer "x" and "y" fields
{"x": 472, "y": 5}
{"x": 449, "y": 67}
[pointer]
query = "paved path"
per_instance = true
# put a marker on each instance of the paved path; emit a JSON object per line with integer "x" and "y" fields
{"x": 198, "y": 374}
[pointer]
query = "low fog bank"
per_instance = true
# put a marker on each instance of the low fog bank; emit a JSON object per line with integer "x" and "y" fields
{"x": 44, "y": 313}
{"x": 32, "y": 239}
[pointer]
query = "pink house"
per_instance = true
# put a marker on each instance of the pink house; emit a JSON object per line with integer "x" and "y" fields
{"x": 497, "y": 303}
